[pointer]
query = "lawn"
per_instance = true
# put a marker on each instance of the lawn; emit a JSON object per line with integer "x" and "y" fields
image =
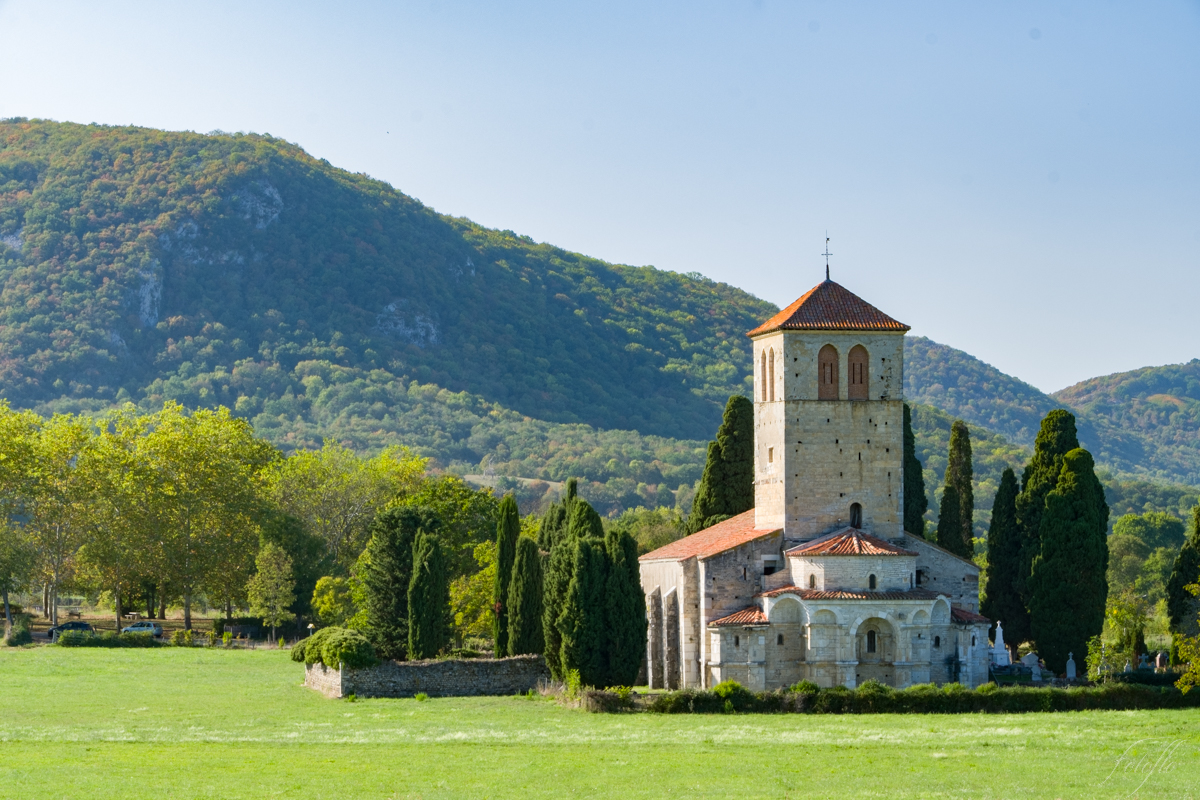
{"x": 175, "y": 723}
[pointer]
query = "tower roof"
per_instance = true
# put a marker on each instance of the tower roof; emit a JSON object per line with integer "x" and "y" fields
{"x": 829, "y": 306}
{"x": 849, "y": 542}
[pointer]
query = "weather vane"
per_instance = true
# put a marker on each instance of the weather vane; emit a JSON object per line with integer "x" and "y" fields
{"x": 827, "y": 254}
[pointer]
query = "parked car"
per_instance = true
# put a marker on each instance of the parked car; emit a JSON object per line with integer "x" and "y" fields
{"x": 69, "y": 626}
{"x": 145, "y": 626}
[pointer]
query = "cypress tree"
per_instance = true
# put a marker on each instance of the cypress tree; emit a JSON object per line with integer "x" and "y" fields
{"x": 956, "y": 517}
{"x": 525, "y": 601}
{"x": 385, "y": 570}
{"x": 1002, "y": 602}
{"x": 727, "y": 484}
{"x": 625, "y": 610}
{"x": 508, "y": 528}
{"x": 581, "y": 623}
{"x": 1181, "y": 604}
{"x": 556, "y": 579}
{"x": 1068, "y": 586}
{"x": 1055, "y": 439}
{"x": 915, "y": 501}
{"x": 428, "y": 599}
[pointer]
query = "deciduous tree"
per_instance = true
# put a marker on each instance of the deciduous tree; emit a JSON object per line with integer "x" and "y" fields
{"x": 272, "y": 590}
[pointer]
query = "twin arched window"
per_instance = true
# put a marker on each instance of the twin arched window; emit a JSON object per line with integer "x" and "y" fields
{"x": 858, "y": 387}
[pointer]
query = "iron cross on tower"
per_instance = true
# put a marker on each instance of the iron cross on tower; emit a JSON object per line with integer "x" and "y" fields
{"x": 827, "y": 254}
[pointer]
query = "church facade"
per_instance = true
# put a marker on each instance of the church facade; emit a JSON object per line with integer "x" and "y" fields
{"x": 819, "y": 581}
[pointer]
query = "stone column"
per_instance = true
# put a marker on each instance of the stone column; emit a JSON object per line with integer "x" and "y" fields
{"x": 671, "y": 639}
{"x": 654, "y": 645}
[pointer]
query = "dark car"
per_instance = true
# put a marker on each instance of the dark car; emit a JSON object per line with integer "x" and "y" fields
{"x": 69, "y": 626}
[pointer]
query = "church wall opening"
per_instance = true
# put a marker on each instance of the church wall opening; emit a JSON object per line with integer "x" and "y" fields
{"x": 876, "y": 652}
{"x": 858, "y": 387}
{"x": 827, "y": 373}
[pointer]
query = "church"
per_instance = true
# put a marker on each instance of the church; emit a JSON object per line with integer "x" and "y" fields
{"x": 819, "y": 581}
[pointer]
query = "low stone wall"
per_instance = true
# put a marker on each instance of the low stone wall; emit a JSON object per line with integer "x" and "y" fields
{"x": 449, "y": 678}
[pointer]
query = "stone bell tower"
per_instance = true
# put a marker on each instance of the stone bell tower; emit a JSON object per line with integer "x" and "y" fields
{"x": 828, "y": 417}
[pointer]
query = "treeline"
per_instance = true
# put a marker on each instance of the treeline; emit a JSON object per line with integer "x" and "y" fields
{"x": 172, "y": 507}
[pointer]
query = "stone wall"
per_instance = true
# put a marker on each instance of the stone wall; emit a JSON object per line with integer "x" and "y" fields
{"x": 448, "y": 678}
{"x": 943, "y": 572}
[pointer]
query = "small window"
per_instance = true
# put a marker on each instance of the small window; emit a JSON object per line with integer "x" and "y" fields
{"x": 812, "y": 581}
{"x": 972, "y": 640}
{"x": 771, "y": 373}
{"x": 743, "y": 573}
{"x": 937, "y": 642}
{"x": 920, "y": 576}
{"x": 855, "y": 515}
{"x": 770, "y": 455}
{"x": 871, "y": 582}
{"x": 769, "y": 567}
{"x": 779, "y": 639}
{"x": 870, "y": 641}
{"x": 737, "y": 642}
{"x": 764, "y": 376}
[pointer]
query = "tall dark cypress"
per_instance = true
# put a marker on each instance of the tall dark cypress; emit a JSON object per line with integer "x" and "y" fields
{"x": 582, "y": 620}
{"x": 727, "y": 484}
{"x": 915, "y": 501}
{"x": 1182, "y": 604}
{"x": 508, "y": 528}
{"x": 1068, "y": 585}
{"x": 428, "y": 599}
{"x": 1002, "y": 602}
{"x": 385, "y": 569}
{"x": 625, "y": 610}
{"x": 956, "y": 516}
{"x": 525, "y": 601}
{"x": 1055, "y": 439}
{"x": 578, "y": 520}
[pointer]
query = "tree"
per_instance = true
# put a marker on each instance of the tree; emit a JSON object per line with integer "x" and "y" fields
{"x": 471, "y": 596}
{"x": 384, "y": 570}
{"x": 336, "y": 493}
{"x": 579, "y": 521}
{"x": 1055, "y": 439}
{"x": 310, "y": 559}
{"x": 428, "y": 599}
{"x": 581, "y": 621}
{"x": 508, "y": 529}
{"x": 625, "y": 610}
{"x": 272, "y": 590}
{"x": 332, "y": 602}
{"x": 727, "y": 485}
{"x": 915, "y": 501}
{"x": 1155, "y": 528}
{"x": 1068, "y": 588}
{"x": 1002, "y": 602}
{"x": 525, "y": 633}
{"x": 956, "y": 518}
{"x": 17, "y": 556}
{"x": 466, "y": 517}
{"x": 1181, "y": 607}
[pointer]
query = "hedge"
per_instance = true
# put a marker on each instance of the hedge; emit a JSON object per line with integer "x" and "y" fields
{"x": 107, "y": 639}
{"x": 335, "y": 647}
{"x": 875, "y": 698}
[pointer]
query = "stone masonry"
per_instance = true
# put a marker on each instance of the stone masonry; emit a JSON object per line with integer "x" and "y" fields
{"x": 466, "y": 677}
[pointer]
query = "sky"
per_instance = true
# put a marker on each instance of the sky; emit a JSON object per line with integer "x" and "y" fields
{"x": 1019, "y": 180}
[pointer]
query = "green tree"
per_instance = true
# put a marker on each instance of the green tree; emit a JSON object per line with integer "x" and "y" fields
{"x": 1181, "y": 606}
{"x": 332, "y": 602}
{"x": 625, "y": 610}
{"x": 471, "y": 596}
{"x": 336, "y": 493}
{"x": 1002, "y": 602}
{"x": 1155, "y": 528}
{"x": 466, "y": 517}
{"x": 310, "y": 559}
{"x": 1068, "y": 587}
{"x": 17, "y": 556}
{"x": 272, "y": 590}
{"x": 525, "y": 633}
{"x": 428, "y": 599}
{"x": 915, "y": 501}
{"x": 384, "y": 570}
{"x": 508, "y": 529}
{"x": 1055, "y": 439}
{"x": 581, "y": 621}
{"x": 727, "y": 485}
{"x": 956, "y": 518}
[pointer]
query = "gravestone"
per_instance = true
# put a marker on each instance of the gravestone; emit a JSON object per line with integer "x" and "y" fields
{"x": 1031, "y": 660}
{"x": 1070, "y": 666}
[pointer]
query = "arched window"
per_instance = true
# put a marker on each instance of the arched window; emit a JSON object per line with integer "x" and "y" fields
{"x": 779, "y": 639}
{"x": 737, "y": 642}
{"x": 827, "y": 373}
{"x": 812, "y": 581}
{"x": 771, "y": 373}
{"x": 855, "y": 515}
{"x": 856, "y": 364}
{"x": 871, "y": 582}
{"x": 972, "y": 640}
{"x": 937, "y": 642}
{"x": 763, "y": 376}
{"x": 871, "y": 639}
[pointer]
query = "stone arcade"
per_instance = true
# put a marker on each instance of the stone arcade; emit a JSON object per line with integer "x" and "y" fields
{"x": 819, "y": 581}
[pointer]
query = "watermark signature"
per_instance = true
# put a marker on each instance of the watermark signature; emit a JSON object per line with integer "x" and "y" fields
{"x": 1142, "y": 760}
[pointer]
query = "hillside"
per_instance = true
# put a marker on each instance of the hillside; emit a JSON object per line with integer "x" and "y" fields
{"x": 137, "y": 263}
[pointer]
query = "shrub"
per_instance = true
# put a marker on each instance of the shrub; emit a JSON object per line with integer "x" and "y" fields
{"x": 227, "y": 639}
{"x": 19, "y": 635}
{"x": 735, "y": 696}
{"x": 420, "y": 697}
{"x": 335, "y": 647}
{"x": 183, "y": 638}
{"x": 298, "y": 649}
{"x": 805, "y": 687}
{"x": 107, "y": 639}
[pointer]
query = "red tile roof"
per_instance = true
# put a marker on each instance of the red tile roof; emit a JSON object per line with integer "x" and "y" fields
{"x": 962, "y": 615}
{"x": 751, "y": 615}
{"x": 829, "y": 306}
{"x": 844, "y": 594}
{"x": 723, "y": 536}
{"x": 849, "y": 542}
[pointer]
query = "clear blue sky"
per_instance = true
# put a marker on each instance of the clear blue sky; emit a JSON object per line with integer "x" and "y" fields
{"x": 1020, "y": 180}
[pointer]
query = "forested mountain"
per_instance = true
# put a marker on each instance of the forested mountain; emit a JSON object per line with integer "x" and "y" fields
{"x": 142, "y": 264}
{"x": 139, "y": 265}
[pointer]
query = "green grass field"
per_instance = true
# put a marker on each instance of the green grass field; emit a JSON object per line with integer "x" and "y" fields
{"x": 174, "y": 723}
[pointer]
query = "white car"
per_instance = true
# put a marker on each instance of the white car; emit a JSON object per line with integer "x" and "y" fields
{"x": 152, "y": 628}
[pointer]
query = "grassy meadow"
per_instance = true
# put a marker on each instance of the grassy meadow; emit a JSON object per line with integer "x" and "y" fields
{"x": 176, "y": 723}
